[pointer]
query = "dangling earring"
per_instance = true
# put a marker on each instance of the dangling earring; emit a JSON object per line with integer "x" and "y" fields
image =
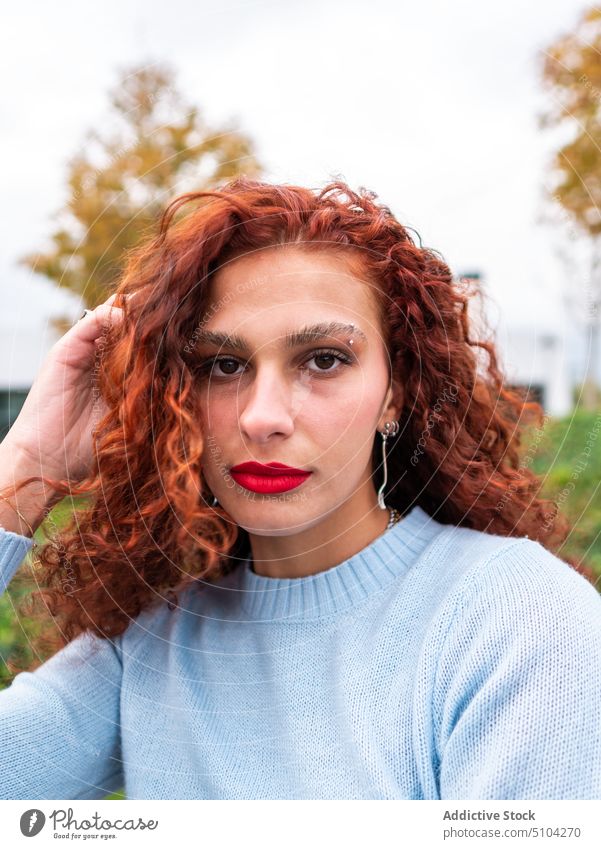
{"x": 214, "y": 502}
{"x": 390, "y": 429}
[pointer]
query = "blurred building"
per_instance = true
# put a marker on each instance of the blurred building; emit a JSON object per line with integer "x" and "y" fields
{"x": 536, "y": 359}
{"x": 26, "y": 335}
{"x": 532, "y": 356}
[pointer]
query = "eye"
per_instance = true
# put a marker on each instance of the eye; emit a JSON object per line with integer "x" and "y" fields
{"x": 228, "y": 364}
{"x": 329, "y": 356}
{"x": 224, "y": 367}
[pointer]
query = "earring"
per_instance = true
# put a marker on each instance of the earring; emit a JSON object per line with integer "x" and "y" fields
{"x": 390, "y": 429}
{"x": 214, "y": 502}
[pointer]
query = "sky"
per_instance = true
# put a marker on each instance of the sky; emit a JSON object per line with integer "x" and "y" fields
{"x": 432, "y": 105}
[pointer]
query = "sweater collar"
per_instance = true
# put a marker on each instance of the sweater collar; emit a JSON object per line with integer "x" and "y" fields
{"x": 341, "y": 587}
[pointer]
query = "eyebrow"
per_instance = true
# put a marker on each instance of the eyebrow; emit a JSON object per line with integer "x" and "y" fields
{"x": 309, "y": 333}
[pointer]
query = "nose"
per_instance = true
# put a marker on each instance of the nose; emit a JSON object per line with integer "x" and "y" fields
{"x": 267, "y": 406}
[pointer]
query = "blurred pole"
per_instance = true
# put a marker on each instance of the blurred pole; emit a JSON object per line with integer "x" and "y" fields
{"x": 590, "y": 389}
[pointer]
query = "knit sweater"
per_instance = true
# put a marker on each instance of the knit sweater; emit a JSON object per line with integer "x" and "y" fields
{"x": 438, "y": 662}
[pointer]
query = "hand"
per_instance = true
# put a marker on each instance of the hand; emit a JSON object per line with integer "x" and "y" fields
{"x": 53, "y": 432}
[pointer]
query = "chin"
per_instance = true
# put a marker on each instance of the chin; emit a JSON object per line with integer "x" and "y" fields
{"x": 275, "y": 520}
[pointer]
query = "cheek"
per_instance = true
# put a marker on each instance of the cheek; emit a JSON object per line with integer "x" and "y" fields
{"x": 344, "y": 425}
{"x": 218, "y": 412}
{"x": 218, "y": 429}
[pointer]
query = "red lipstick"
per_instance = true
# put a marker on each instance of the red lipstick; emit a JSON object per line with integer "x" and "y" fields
{"x": 270, "y": 478}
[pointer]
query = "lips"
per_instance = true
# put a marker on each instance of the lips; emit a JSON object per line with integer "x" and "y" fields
{"x": 268, "y": 469}
{"x": 268, "y": 478}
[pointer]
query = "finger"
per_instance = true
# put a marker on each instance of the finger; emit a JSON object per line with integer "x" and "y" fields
{"x": 95, "y": 322}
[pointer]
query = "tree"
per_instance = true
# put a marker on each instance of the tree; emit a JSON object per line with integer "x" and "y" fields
{"x": 571, "y": 71}
{"x": 121, "y": 181}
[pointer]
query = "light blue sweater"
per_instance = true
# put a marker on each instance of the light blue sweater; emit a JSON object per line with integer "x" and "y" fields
{"x": 437, "y": 663}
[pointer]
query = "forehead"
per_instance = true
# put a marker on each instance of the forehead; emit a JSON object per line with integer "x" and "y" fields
{"x": 295, "y": 280}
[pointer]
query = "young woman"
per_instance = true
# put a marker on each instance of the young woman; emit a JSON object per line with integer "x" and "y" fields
{"x": 311, "y": 564}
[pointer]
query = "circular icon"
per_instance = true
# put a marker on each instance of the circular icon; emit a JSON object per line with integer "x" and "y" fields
{"x": 32, "y": 822}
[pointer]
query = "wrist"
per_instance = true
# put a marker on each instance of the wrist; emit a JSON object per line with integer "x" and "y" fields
{"x": 23, "y": 510}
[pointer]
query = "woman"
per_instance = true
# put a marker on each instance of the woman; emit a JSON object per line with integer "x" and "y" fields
{"x": 311, "y": 564}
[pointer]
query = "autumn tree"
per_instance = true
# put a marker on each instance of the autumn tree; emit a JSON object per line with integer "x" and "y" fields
{"x": 119, "y": 183}
{"x": 571, "y": 72}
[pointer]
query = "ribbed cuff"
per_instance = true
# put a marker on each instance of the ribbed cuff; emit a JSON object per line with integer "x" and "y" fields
{"x": 13, "y": 548}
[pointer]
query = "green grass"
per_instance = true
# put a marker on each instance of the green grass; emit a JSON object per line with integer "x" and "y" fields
{"x": 16, "y": 632}
{"x": 118, "y": 795}
{"x": 568, "y": 458}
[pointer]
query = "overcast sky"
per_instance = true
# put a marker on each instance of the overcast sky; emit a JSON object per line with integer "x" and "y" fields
{"x": 432, "y": 105}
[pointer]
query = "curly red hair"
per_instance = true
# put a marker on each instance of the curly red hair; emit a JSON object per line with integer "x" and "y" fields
{"x": 148, "y": 530}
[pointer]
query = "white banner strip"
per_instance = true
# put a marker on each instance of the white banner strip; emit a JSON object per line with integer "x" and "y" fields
{"x": 302, "y": 824}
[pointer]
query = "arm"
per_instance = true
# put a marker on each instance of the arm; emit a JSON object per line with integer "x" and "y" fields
{"x": 518, "y": 706}
{"x": 59, "y": 725}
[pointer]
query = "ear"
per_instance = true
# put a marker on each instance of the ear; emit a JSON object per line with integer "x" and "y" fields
{"x": 393, "y": 404}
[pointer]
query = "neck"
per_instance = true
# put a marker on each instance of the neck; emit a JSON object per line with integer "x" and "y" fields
{"x": 334, "y": 539}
